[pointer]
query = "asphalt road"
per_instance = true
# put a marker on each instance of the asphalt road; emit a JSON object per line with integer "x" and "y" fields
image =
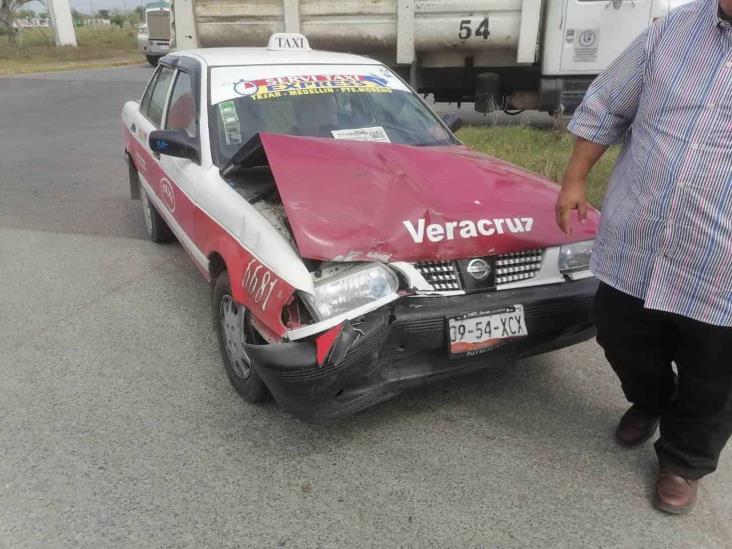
{"x": 118, "y": 427}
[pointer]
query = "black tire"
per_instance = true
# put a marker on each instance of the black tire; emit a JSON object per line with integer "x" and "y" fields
{"x": 134, "y": 178}
{"x": 153, "y": 60}
{"x": 157, "y": 228}
{"x": 232, "y": 320}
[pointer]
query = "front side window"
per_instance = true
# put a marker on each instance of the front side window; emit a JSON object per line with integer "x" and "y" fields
{"x": 332, "y": 101}
{"x": 153, "y": 110}
{"x": 182, "y": 106}
{"x": 145, "y": 102}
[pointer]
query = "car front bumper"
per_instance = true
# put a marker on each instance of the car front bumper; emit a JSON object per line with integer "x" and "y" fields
{"x": 404, "y": 344}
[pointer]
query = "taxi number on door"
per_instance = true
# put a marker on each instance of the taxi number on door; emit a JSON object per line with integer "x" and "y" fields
{"x": 476, "y": 332}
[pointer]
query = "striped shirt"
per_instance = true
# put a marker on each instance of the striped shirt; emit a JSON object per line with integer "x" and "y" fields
{"x": 666, "y": 230}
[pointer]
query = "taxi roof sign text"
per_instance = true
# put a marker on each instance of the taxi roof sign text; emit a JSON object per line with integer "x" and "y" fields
{"x": 288, "y": 41}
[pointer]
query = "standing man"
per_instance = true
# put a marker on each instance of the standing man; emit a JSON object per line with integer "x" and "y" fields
{"x": 664, "y": 250}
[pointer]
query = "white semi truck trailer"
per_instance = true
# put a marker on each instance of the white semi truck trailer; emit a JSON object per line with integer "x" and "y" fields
{"x": 500, "y": 54}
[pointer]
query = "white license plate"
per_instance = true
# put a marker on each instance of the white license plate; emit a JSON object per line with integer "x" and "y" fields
{"x": 477, "y": 332}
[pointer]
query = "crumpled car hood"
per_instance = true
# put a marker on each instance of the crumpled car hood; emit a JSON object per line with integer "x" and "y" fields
{"x": 361, "y": 201}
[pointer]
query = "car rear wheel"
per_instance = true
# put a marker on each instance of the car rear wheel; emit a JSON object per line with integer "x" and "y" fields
{"x": 153, "y": 60}
{"x": 233, "y": 329}
{"x": 157, "y": 228}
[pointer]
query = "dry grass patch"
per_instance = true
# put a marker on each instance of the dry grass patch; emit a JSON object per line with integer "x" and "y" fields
{"x": 97, "y": 45}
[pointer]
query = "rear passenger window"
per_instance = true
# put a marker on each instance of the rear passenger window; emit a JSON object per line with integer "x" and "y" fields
{"x": 154, "y": 108}
{"x": 182, "y": 106}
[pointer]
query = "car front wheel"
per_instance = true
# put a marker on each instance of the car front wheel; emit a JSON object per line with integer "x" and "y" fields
{"x": 233, "y": 330}
{"x": 157, "y": 228}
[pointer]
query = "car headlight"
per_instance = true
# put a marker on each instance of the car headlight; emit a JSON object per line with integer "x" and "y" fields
{"x": 351, "y": 289}
{"x": 575, "y": 257}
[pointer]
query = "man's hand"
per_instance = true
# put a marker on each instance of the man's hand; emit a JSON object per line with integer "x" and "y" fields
{"x": 572, "y": 197}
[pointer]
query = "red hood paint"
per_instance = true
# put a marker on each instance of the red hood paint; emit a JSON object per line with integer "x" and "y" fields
{"x": 360, "y": 201}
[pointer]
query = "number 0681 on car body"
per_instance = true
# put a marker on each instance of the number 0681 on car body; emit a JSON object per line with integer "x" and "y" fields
{"x": 354, "y": 246}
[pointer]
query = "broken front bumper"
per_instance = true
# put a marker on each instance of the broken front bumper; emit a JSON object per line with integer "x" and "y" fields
{"x": 405, "y": 344}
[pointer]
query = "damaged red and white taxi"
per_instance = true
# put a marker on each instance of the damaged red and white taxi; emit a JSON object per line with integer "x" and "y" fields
{"x": 354, "y": 246}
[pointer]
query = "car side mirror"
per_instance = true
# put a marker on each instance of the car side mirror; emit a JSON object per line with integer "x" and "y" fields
{"x": 452, "y": 121}
{"x": 174, "y": 143}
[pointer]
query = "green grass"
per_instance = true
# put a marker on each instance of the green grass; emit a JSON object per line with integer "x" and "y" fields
{"x": 96, "y": 44}
{"x": 542, "y": 151}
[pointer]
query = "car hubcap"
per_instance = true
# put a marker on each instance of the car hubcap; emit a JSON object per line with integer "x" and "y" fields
{"x": 231, "y": 318}
{"x": 148, "y": 213}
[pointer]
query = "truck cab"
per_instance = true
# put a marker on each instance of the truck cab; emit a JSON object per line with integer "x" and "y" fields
{"x": 154, "y": 35}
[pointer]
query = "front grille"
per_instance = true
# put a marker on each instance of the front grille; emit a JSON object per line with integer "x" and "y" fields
{"x": 512, "y": 267}
{"x": 441, "y": 275}
{"x": 518, "y": 266}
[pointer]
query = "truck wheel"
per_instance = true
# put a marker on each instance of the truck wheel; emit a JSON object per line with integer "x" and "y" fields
{"x": 153, "y": 60}
{"x": 233, "y": 329}
{"x": 157, "y": 228}
{"x": 487, "y": 92}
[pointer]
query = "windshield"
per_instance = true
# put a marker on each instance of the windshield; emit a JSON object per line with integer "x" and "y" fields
{"x": 366, "y": 103}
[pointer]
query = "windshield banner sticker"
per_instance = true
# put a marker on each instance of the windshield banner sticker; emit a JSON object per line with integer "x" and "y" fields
{"x": 272, "y": 81}
{"x": 270, "y": 88}
{"x": 362, "y": 134}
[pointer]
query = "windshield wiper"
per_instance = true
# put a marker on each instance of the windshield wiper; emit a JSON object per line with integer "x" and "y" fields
{"x": 438, "y": 143}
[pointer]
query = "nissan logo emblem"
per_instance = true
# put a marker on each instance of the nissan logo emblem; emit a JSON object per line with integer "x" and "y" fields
{"x": 479, "y": 269}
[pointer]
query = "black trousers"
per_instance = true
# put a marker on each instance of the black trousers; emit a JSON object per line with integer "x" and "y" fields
{"x": 696, "y": 408}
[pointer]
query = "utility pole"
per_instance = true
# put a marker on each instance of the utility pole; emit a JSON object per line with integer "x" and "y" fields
{"x": 63, "y": 24}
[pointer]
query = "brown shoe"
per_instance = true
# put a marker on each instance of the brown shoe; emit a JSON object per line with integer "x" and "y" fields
{"x": 675, "y": 494}
{"x": 635, "y": 427}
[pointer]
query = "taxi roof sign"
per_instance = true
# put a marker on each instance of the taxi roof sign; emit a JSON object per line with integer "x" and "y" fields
{"x": 280, "y": 41}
